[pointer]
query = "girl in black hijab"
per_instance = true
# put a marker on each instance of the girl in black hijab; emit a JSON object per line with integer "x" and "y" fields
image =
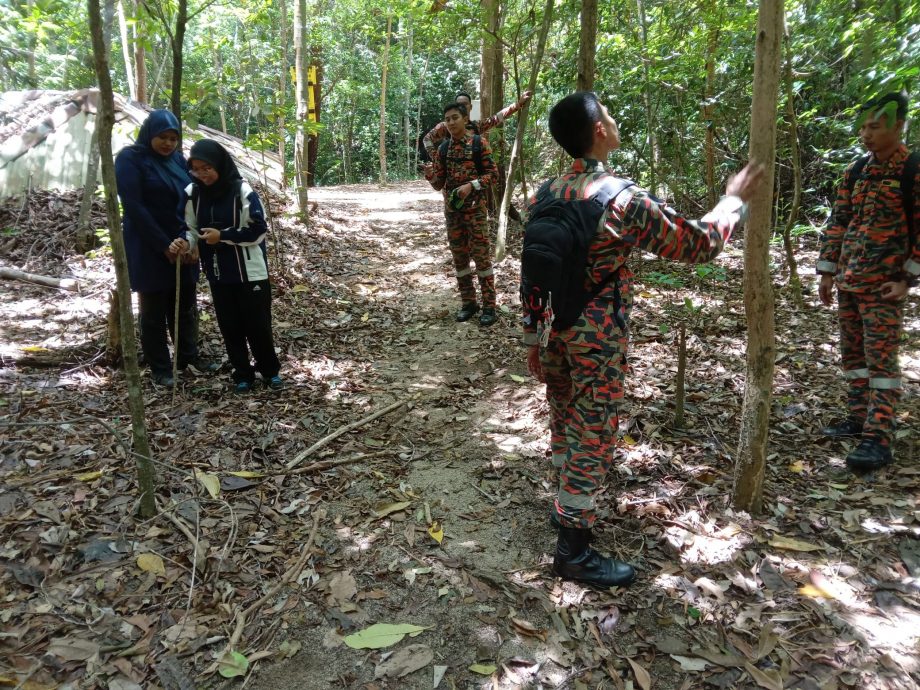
{"x": 225, "y": 218}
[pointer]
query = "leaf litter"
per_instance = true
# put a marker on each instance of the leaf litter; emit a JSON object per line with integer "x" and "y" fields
{"x": 432, "y": 516}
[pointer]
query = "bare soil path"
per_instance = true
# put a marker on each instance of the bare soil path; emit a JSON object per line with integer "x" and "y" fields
{"x": 435, "y": 514}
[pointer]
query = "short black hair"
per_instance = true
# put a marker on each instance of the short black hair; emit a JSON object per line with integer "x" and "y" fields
{"x": 572, "y": 120}
{"x": 455, "y": 106}
{"x": 877, "y": 104}
{"x": 464, "y": 93}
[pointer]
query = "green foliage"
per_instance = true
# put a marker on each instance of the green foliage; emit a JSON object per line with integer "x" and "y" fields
{"x": 234, "y": 59}
{"x": 659, "y": 279}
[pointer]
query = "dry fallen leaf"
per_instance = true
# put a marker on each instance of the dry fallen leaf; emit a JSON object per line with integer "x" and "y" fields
{"x": 436, "y": 532}
{"x": 642, "y": 676}
{"x": 151, "y": 563}
{"x": 788, "y": 544}
{"x": 210, "y": 482}
{"x": 405, "y": 661}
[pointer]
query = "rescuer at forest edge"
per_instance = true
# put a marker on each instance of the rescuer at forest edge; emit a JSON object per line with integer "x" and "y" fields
{"x": 868, "y": 251}
{"x": 465, "y": 211}
{"x": 584, "y": 366}
{"x": 439, "y": 132}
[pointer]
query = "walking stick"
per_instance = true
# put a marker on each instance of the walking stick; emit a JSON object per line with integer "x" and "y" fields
{"x": 176, "y": 329}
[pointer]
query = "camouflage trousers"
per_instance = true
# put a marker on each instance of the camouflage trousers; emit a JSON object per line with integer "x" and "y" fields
{"x": 468, "y": 237}
{"x": 870, "y": 328}
{"x": 584, "y": 382}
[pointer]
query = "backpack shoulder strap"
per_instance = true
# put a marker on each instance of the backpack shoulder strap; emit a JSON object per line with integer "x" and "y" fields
{"x": 442, "y": 149}
{"x": 477, "y": 153}
{"x": 610, "y": 188}
{"x": 908, "y": 175}
{"x": 856, "y": 171}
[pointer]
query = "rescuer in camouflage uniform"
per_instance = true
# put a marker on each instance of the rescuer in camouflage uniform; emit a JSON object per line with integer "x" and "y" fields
{"x": 583, "y": 366}
{"x": 867, "y": 252}
{"x": 465, "y": 211}
{"x": 439, "y": 132}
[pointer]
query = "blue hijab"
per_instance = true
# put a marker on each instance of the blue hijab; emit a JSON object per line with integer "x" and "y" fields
{"x": 171, "y": 168}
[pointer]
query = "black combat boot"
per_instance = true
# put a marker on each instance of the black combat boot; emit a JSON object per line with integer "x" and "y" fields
{"x": 575, "y": 560}
{"x": 849, "y": 427}
{"x": 467, "y": 311}
{"x": 869, "y": 455}
{"x": 488, "y": 317}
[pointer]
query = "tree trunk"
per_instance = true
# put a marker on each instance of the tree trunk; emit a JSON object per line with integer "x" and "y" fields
{"x": 126, "y": 51}
{"x": 489, "y": 101}
{"x": 500, "y": 241}
{"x": 85, "y": 234}
{"x": 301, "y": 166}
{"x": 758, "y": 286}
{"x": 651, "y": 138}
{"x": 106, "y": 115}
{"x": 407, "y": 104}
{"x": 140, "y": 57}
{"x": 316, "y": 85}
{"x": 383, "y": 102}
{"x": 795, "y": 282}
{"x": 282, "y": 90}
{"x": 175, "y": 98}
{"x": 587, "y": 45}
{"x": 221, "y": 92}
{"x": 418, "y": 112}
{"x": 712, "y": 48}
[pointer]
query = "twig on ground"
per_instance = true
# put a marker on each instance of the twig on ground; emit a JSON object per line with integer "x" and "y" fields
{"x": 343, "y": 430}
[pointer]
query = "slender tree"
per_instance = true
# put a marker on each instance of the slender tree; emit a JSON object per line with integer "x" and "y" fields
{"x": 140, "y": 56}
{"x": 758, "y": 286}
{"x": 106, "y": 115}
{"x": 301, "y": 165}
{"x": 587, "y": 45}
{"x": 383, "y": 101}
{"x": 792, "y": 121}
{"x": 501, "y": 238}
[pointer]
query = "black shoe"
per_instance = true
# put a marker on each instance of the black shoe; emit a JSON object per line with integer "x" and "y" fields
{"x": 165, "y": 380}
{"x": 488, "y": 317}
{"x": 845, "y": 429}
{"x": 575, "y": 560}
{"x": 869, "y": 455}
{"x": 466, "y": 312}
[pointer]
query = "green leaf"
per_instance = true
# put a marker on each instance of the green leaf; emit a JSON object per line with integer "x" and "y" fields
{"x": 382, "y": 635}
{"x": 483, "y": 669}
{"x": 518, "y": 379}
{"x": 232, "y": 664}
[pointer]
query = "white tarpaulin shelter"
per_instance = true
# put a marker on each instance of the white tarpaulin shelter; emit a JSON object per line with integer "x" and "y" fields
{"x": 45, "y": 140}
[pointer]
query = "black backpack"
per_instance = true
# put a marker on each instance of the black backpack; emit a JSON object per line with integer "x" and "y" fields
{"x": 477, "y": 153}
{"x": 554, "y": 258}
{"x": 907, "y": 186}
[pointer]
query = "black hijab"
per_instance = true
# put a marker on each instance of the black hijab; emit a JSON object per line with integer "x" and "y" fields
{"x": 210, "y": 152}
{"x": 171, "y": 168}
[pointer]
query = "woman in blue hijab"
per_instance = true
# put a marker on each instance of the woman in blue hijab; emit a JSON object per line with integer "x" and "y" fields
{"x": 151, "y": 177}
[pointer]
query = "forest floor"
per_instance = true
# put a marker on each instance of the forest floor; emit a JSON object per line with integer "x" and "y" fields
{"x": 433, "y": 514}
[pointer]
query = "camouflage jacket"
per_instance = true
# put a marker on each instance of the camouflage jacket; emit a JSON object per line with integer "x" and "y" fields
{"x": 459, "y": 167}
{"x": 439, "y": 132}
{"x": 634, "y": 219}
{"x": 867, "y": 241}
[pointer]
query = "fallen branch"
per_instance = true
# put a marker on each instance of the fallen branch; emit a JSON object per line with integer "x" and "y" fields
{"x": 345, "y": 429}
{"x": 47, "y": 281}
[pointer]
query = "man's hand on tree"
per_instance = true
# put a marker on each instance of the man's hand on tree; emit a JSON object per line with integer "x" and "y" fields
{"x": 746, "y": 182}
